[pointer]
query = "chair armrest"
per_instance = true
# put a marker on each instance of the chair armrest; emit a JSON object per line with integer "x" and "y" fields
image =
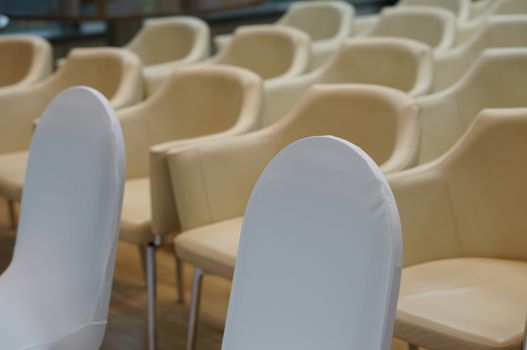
{"x": 213, "y": 182}
{"x": 428, "y": 226}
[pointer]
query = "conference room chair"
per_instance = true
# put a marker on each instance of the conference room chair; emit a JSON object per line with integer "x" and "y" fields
{"x": 116, "y": 73}
{"x": 460, "y": 8}
{"x": 211, "y": 183}
{"x": 498, "y": 32}
{"x": 56, "y": 291}
{"x": 324, "y": 212}
{"x": 486, "y": 8}
{"x": 328, "y": 24}
{"x": 497, "y": 79}
{"x": 167, "y": 44}
{"x": 24, "y": 60}
{"x": 272, "y": 52}
{"x": 434, "y": 27}
{"x": 463, "y": 218}
{"x": 402, "y": 64}
{"x": 174, "y": 115}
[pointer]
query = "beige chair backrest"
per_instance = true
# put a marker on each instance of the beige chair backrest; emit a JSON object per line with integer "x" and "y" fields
{"x": 398, "y": 63}
{"x": 116, "y": 73}
{"x": 382, "y": 121}
{"x": 162, "y": 40}
{"x": 498, "y": 31}
{"x": 269, "y": 51}
{"x": 432, "y": 26}
{"x": 498, "y": 79}
{"x": 460, "y": 8}
{"x": 24, "y": 59}
{"x": 472, "y": 200}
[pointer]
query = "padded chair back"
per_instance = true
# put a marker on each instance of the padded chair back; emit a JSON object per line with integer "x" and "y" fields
{"x": 319, "y": 258}
{"x": 510, "y": 7}
{"x": 269, "y": 51}
{"x": 321, "y": 20}
{"x": 59, "y": 280}
{"x": 498, "y": 31}
{"x": 24, "y": 59}
{"x": 498, "y": 79}
{"x": 169, "y": 39}
{"x": 460, "y": 8}
{"x": 432, "y": 26}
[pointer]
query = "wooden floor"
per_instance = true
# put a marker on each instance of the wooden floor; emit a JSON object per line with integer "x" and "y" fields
{"x": 127, "y": 327}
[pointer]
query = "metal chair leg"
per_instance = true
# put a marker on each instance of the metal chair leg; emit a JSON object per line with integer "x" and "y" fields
{"x": 12, "y": 213}
{"x": 151, "y": 294}
{"x": 412, "y": 347}
{"x": 180, "y": 281}
{"x": 194, "y": 309}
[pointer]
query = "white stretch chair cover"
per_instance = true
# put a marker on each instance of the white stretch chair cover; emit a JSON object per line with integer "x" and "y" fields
{"x": 55, "y": 293}
{"x": 319, "y": 259}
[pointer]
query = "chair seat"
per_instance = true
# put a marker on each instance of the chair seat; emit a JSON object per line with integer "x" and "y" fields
{"x": 12, "y": 174}
{"x": 212, "y": 247}
{"x": 463, "y": 303}
{"x": 136, "y": 216}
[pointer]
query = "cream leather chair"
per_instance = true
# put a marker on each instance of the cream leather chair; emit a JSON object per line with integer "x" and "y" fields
{"x": 56, "y": 291}
{"x": 279, "y": 298}
{"x": 328, "y": 24}
{"x": 485, "y": 8}
{"x": 432, "y": 26}
{"x": 498, "y": 31}
{"x": 498, "y": 79}
{"x": 272, "y": 52}
{"x": 211, "y": 183}
{"x": 24, "y": 59}
{"x": 398, "y": 63}
{"x": 230, "y": 105}
{"x": 460, "y": 8}
{"x": 116, "y": 73}
{"x": 463, "y": 217}
{"x": 169, "y": 43}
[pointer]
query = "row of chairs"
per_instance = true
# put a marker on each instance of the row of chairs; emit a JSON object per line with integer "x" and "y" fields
{"x": 238, "y": 94}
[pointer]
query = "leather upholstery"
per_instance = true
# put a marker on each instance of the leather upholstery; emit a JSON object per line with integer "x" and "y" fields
{"x": 24, "y": 59}
{"x": 497, "y": 32}
{"x": 328, "y": 24}
{"x": 398, "y": 63}
{"x": 169, "y": 43}
{"x": 496, "y": 80}
{"x": 212, "y": 182}
{"x": 463, "y": 218}
{"x": 432, "y": 26}
{"x": 272, "y": 52}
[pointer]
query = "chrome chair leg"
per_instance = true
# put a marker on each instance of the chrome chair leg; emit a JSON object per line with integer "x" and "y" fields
{"x": 180, "y": 281}
{"x": 151, "y": 294}
{"x": 194, "y": 309}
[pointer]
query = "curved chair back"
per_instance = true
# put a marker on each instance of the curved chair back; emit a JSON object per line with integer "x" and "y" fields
{"x": 56, "y": 291}
{"x": 460, "y": 8}
{"x": 498, "y": 31}
{"x": 432, "y": 26}
{"x": 171, "y": 38}
{"x": 24, "y": 59}
{"x": 269, "y": 51}
{"x": 319, "y": 258}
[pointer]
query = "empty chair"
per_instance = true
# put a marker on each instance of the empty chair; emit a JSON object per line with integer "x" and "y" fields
{"x": 56, "y": 291}
{"x": 463, "y": 218}
{"x": 497, "y": 79}
{"x": 116, "y": 73}
{"x": 24, "y": 59}
{"x": 460, "y": 8}
{"x": 328, "y": 24}
{"x": 173, "y": 113}
{"x": 485, "y": 8}
{"x": 272, "y": 52}
{"x": 320, "y": 254}
{"x": 211, "y": 183}
{"x": 398, "y": 63}
{"x": 432, "y": 26}
{"x": 499, "y": 31}
{"x": 166, "y": 44}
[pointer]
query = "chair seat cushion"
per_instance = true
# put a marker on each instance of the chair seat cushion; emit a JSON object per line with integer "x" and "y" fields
{"x": 463, "y": 303}
{"x": 136, "y": 216}
{"x": 12, "y": 174}
{"x": 212, "y": 248}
